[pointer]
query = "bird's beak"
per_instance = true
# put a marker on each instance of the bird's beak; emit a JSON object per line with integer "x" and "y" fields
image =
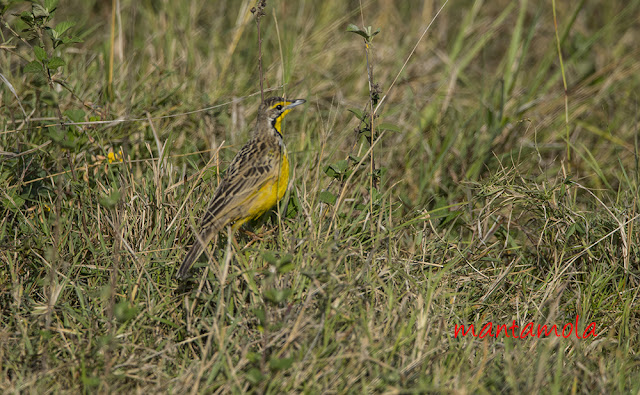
{"x": 294, "y": 103}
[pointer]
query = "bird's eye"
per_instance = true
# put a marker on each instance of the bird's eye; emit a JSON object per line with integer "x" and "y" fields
{"x": 279, "y": 107}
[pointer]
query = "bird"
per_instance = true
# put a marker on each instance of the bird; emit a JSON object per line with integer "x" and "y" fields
{"x": 255, "y": 181}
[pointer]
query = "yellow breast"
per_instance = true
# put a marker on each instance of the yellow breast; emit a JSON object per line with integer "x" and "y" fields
{"x": 284, "y": 175}
{"x": 272, "y": 191}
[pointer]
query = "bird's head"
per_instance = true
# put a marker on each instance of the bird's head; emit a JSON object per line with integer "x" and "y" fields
{"x": 274, "y": 109}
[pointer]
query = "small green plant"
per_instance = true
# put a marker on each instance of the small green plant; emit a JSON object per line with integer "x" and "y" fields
{"x": 344, "y": 170}
{"x": 45, "y": 39}
{"x": 39, "y": 40}
{"x": 365, "y": 32}
{"x": 366, "y": 126}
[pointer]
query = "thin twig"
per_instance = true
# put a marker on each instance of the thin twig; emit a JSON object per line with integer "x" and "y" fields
{"x": 258, "y": 11}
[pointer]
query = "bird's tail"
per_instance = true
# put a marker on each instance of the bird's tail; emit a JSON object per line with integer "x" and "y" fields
{"x": 194, "y": 253}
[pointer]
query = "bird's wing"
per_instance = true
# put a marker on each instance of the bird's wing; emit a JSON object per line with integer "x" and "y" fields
{"x": 253, "y": 166}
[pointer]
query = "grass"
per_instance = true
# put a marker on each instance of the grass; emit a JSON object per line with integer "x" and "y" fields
{"x": 502, "y": 198}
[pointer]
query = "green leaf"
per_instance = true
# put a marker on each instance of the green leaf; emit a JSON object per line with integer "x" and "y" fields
{"x": 50, "y": 5}
{"x": 39, "y": 11}
{"x": 365, "y": 33}
{"x": 260, "y": 315}
{"x": 375, "y": 194}
{"x": 255, "y": 376}
{"x": 358, "y": 113}
{"x": 293, "y": 206}
{"x": 280, "y": 363}
{"x": 355, "y": 29}
{"x": 72, "y": 39}
{"x": 65, "y": 138}
{"x": 340, "y": 166}
{"x": 253, "y": 357}
{"x": 449, "y": 218}
{"x": 27, "y": 18}
{"x": 330, "y": 172}
{"x": 570, "y": 231}
{"x": 110, "y": 200}
{"x": 270, "y": 257}
{"x": 285, "y": 259}
{"x": 14, "y": 203}
{"x": 76, "y": 115}
{"x": 285, "y": 268}
{"x": 208, "y": 173}
{"x": 53, "y": 35}
{"x": 55, "y": 62}
{"x": 63, "y": 27}
{"x": 277, "y": 296}
{"x": 49, "y": 97}
{"x": 45, "y": 334}
{"x": 124, "y": 311}
{"x": 285, "y": 264}
{"x": 40, "y": 53}
{"x": 33, "y": 67}
{"x": 380, "y": 171}
{"x": 56, "y": 135}
{"x": 389, "y": 126}
{"x": 335, "y": 170}
{"x": 327, "y": 197}
{"x": 90, "y": 381}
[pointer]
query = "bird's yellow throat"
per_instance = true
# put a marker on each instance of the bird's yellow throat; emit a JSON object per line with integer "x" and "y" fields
{"x": 278, "y": 123}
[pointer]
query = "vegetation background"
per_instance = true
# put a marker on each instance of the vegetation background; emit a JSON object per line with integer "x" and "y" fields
{"x": 505, "y": 189}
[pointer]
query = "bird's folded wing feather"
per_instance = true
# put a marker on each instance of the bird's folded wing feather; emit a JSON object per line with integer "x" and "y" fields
{"x": 252, "y": 168}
